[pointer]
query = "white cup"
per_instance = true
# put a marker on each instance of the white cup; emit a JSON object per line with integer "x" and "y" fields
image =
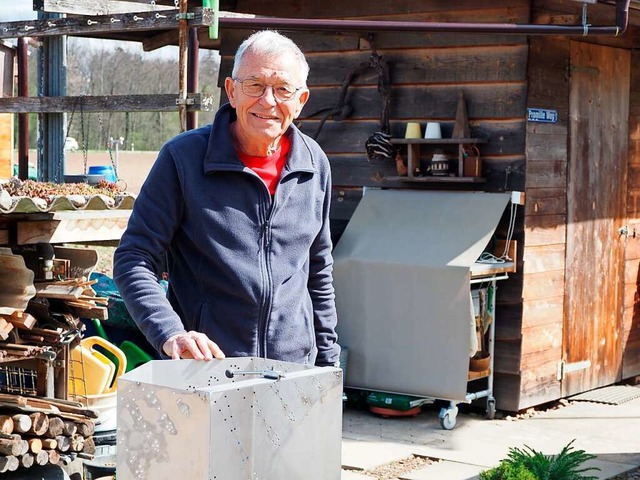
{"x": 432, "y": 131}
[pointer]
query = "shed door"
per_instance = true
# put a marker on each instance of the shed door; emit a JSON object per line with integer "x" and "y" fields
{"x": 596, "y": 205}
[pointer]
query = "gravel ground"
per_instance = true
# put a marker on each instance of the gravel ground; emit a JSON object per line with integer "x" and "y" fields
{"x": 391, "y": 471}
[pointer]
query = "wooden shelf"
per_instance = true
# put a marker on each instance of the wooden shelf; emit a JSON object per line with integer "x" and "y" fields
{"x": 67, "y": 226}
{"x": 413, "y": 147}
{"x": 437, "y": 141}
{"x": 477, "y": 375}
{"x": 435, "y": 179}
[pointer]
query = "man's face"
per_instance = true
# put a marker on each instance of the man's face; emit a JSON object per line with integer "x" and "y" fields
{"x": 264, "y": 119}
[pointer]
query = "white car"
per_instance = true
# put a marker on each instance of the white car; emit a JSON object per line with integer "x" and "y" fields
{"x": 71, "y": 144}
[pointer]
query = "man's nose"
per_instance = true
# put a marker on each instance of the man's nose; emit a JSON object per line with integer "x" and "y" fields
{"x": 269, "y": 97}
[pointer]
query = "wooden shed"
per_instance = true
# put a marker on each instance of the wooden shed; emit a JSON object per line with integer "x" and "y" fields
{"x": 567, "y": 320}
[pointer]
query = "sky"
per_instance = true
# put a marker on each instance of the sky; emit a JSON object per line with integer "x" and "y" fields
{"x": 12, "y": 10}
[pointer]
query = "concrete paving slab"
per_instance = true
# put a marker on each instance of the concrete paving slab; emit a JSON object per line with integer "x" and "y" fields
{"x": 367, "y": 455}
{"x": 445, "y": 469}
{"x": 608, "y": 431}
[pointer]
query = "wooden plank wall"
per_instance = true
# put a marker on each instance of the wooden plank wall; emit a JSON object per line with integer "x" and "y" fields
{"x": 427, "y": 72}
{"x": 535, "y": 345}
{"x": 631, "y": 321}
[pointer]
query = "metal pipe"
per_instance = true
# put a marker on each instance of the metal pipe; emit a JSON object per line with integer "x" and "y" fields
{"x": 23, "y": 118}
{"x": 622, "y": 21}
{"x": 193, "y": 70}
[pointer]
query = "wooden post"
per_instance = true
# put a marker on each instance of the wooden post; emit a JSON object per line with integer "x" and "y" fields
{"x": 182, "y": 65}
{"x": 193, "y": 69}
{"x": 23, "y": 118}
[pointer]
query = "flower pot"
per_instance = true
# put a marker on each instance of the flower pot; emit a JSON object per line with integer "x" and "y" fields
{"x": 480, "y": 362}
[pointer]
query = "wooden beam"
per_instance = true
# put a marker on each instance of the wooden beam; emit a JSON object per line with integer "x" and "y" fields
{"x": 125, "y": 22}
{"x": 168, "y": 37}
{"x": 104, "y": 103}
{"x": 95, "y": 7}
{"x": 75, "y": 226}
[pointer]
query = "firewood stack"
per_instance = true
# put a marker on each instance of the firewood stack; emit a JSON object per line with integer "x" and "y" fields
{"x": 38, "y": 431}
{"x": 35, "y": 429}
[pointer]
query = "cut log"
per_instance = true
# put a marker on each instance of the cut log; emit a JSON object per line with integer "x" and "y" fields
{"x": 54, "y": 456}
{"x": 42, "y": 457}
{"x": 86, "y": 428}
{"x": 69, "y": 428}
{"x": 89, "y": 446}
{"x": 27, "y": 460}
{"x": 6, "y": 424}
{"x": 77, "y": 442}
{"x": 10, "y": 447}
{"x": 39, "y": 423}
{"x": 49, "y": 443}
{"x": 35, "y": 445}
{"x": 21, "y": 423}
{"x": 64, "y": 443}
{"x": 56, "y": 425}
{"x": 24, "y": 447}
{"x": 9, "y": 464}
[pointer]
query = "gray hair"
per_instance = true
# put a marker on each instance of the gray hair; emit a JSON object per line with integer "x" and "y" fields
{"x": 271, "y": 44}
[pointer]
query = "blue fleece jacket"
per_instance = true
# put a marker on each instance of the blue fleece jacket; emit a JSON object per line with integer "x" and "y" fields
{"x": 252, "y": 272}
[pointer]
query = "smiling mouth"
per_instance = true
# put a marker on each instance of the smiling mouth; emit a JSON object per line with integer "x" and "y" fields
{"x": 264, "y": 117}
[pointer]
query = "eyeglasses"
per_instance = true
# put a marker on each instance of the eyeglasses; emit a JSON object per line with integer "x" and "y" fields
{"x": 283, "y": 92}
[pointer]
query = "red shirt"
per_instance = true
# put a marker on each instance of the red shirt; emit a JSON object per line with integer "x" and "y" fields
{"x": 268, "y": 168}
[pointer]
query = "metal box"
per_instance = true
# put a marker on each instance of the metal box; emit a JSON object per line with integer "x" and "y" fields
{"x": 233, "y": 419}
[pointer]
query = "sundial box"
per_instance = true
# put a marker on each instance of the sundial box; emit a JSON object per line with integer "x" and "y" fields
{"x": 191, "y": 419}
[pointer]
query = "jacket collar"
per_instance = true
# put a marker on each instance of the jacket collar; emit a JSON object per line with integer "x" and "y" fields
{"x": 221, "y": 154}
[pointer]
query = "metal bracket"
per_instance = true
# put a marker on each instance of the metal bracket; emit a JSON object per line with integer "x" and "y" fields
{"x": 185, "y": 101}
{"x": 185, "y": 16}
{"x": 564, "y": 367}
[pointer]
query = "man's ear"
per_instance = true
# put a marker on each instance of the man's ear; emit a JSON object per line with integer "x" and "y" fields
{"x": 230, "y": 88}
{"x": 302, "y": 100}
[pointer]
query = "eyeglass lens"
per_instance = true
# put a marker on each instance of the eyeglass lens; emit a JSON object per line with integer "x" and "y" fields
{"x": 282, "y": 91}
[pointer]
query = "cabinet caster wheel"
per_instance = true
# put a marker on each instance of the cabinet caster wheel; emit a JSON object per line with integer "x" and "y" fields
{"x": 491, "y": 409}
{"x": 448, "y": 418}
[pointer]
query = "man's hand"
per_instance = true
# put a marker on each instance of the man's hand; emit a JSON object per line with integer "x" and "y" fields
{"x": 192, "y": 344}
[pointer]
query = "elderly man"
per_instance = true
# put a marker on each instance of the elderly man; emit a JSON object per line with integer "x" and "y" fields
{"x": 241, "y": 210}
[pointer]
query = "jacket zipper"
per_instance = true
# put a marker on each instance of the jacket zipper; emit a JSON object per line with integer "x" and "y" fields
{"x": 267, "y": 275}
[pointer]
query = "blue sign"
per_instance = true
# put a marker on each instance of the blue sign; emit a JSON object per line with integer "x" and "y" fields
{"x": 542, "y": 115}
